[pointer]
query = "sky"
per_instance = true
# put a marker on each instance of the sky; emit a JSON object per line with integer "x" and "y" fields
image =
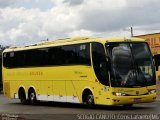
{"x": 25, "y": 22}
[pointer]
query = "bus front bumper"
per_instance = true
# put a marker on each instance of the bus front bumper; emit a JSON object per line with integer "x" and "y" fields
{"x": 121, "y": 100}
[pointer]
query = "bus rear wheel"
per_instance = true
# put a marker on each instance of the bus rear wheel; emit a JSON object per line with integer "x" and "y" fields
{"x": 22, "y": 97}
{"x": 32, "y": 97}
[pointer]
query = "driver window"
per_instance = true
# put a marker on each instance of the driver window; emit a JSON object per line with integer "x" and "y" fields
{"x": 100, "y": 63}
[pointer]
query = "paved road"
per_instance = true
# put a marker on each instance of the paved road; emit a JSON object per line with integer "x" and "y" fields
{"x": 45, "y": 110}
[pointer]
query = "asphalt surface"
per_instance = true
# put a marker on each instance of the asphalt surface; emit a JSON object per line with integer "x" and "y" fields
{"x": 12, "y": 108}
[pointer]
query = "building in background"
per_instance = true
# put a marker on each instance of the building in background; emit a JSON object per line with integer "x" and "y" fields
{"x": 154, "y": 43}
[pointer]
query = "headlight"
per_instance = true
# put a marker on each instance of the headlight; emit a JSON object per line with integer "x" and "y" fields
{"x": 118, "y": 94}
{"x": 151, "y": 91}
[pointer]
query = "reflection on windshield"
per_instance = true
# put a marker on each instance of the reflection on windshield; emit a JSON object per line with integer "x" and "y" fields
{"x": 143, "y": 62}
{"x": 131, "y": 64}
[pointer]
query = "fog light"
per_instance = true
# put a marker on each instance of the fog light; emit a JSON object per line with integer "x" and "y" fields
{"x": 118, "y": 94}
{"x": 151, "y": 91}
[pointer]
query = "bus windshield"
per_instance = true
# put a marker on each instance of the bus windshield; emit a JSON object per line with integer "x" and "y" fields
{"x": 131, "y": 65}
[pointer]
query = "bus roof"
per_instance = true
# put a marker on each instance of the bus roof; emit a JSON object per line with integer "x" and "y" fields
{"x": 69, "y": 41}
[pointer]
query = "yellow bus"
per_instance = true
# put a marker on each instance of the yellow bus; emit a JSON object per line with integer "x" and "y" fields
{"x": 105, "y": 71}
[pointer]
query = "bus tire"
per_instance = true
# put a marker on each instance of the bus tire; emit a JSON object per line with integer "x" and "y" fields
{"x": 22, "y": 96}
{"x": 32, "y": 97}
{"x": 88, "y": 99}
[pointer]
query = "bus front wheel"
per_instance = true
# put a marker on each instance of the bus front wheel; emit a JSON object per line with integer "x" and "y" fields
{"x": 88, "y": 99}
{"x": 32, "y": 97}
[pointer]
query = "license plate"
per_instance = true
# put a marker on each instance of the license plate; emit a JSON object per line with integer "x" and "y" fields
{"x": 137, "y": 100}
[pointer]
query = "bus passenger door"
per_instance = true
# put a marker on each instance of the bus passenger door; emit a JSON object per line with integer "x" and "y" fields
{"x": 101, "y": 69}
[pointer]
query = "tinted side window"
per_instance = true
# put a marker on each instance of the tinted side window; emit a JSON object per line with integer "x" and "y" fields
{"x": 42, "y": 56}
{"x": 76, "y": 54}
{"x": 70, "y": 54}
{"x": 83, "y": 52}
{"x": 8, "y": 59}
{"x": 60, "y": 55}
{"x": 56, "y": 56}
{"x": 36, "y": 57}
{"x": 19, "y": 59}
{"x": 100, "y": 63}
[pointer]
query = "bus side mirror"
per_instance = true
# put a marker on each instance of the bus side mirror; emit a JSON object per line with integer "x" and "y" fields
{"x": 156, "y": 62}
{"x": 156, "y": 67}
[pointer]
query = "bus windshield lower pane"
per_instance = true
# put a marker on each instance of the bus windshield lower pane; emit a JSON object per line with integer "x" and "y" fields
{"x": 131, "y": 65}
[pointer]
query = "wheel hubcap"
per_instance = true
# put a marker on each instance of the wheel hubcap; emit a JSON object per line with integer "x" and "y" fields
{"x": 32, "y": 96}
{"x": 90, "y": 99}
